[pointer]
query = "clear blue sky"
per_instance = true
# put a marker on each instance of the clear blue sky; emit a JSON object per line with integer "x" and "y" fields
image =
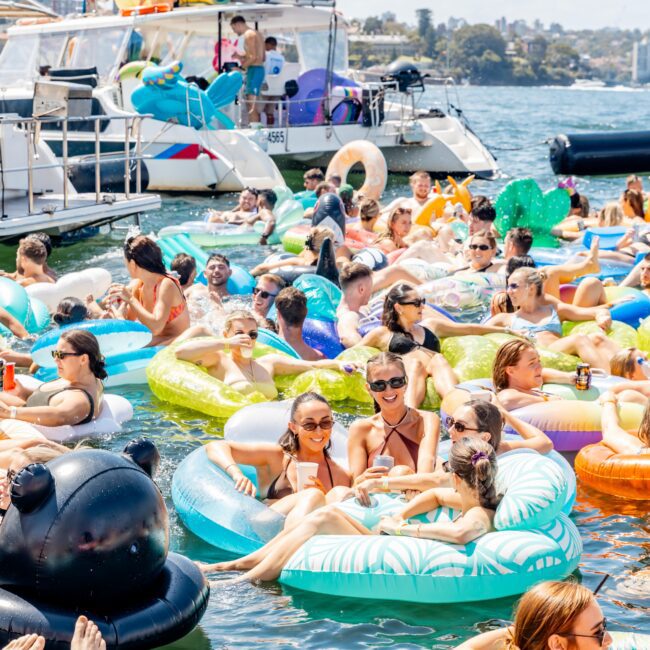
{"x": 576, "y": 14}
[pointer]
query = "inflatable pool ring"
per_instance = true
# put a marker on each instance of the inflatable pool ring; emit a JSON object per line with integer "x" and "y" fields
{"x": 29, "y": 312}
{"x": 115, "y": 411}
{"x": 374, "y": 258}
{"x": 38, "y": 317}
{"x": 629, "y": 641}
{"x": 374, "y": 164}
{"x": 533, "y": 541}
{"x": 79, "y": 284}
{"x": 632, "y": 310}
{"x": 424, "y": 271}
{"x": 289, "y": 273}
{"x": 329, "y": 213}
{"x": 522, "y": 204}
{"x": 435, "y": 207}
{"x": 306, "y": 198}
{"x": 267, "y": 337}
{"x": 132, "y": 70}
{"x": 622, "y": 475}
{"x": 127, "y": 369}
{"x": 218, "y": 235}
{"x": 114, "y": 336}
{"x": 208, "y": 504}
{"x": 544, "y": 256}
{"x": 323, "y": 296}
{"x": 137, "y": 593}
{"x": 622, "y": 334}
{"x": 322, "y": 336}
{"x": 609, "y": 237}
{"x": 643, "y": 335}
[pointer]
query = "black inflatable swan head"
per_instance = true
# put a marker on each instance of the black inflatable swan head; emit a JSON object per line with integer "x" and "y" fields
{"x": 329, "y": 205}
{"x": 88, "y": 527}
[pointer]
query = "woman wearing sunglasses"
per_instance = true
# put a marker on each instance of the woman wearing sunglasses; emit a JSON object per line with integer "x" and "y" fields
{"x": 408, "y": 435}
{"x": 230, "y": 359}
{"x": 405, "y": 331}
{"x": 307, "y": 439}
{"x": 398, "y": 226}
{"x": 74, "y": 398}
{"x": 480, "y": 254}
{"x": 539, "y": 316}
{"x": 472, "y": 466}
{"x": 551, "y": 616}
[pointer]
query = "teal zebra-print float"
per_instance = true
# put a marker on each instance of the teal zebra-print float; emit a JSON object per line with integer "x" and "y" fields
{"x": 534, "y": 541}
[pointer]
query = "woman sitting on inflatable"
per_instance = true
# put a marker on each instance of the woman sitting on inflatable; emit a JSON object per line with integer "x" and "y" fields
{"x": 74, "y": 398}
{"x": 472, "y": 466}
{"x": 518, "y": 376}
{"x": 398, "y": 226}
{"x": 617, "y": 438}
{"x": 238, "y": 369}
{"x": 551, "y": 616}
{"x": 476, "y": 419}
{"x": 405, "y": 333}
{"x": 306, "y": 440}
{"x": 631, "y": 364}
{"x": 406, "y": 434}
{"x": 481, "y": 251}
{"x": 538, "y": 316}
{"x": 153, "y": 297}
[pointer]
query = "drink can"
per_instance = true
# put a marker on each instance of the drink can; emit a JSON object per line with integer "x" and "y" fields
{"x": 583, "y": 376}
{"x": 9, "y": 376}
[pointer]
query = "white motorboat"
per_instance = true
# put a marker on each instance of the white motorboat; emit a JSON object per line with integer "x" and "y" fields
{"x": 312, "y": 122}
{"x": 36, "y": 193}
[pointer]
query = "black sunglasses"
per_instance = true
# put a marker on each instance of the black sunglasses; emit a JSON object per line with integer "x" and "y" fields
{"x": 325, "y": 425}
{"x": 599, "y": 636}
{"x": 252, "y": 334}
{"x": 380, "y": 385}
{"x": 479, "y": 247}
{"x": 450, "y": 423}
{"x": 56, "y": 354}
{"x": 416, "y": 302}
{"x": 264, "y": 294}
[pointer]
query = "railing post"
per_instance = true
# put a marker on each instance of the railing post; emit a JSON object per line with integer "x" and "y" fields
{"x": 30, "y": 179}
{"x": 98, "y": 163}
{"x": 64, "y": 135}
{"x": 137, "y": 122}
{"x": 126, "y": 159}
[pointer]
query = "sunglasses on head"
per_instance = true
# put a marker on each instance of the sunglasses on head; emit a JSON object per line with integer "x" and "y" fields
{"x": 416, "y": 302}
{"x": 479, "y": 247}
{"x": 325, "y": 425}
{"x": 380, "y": 385}
{"x": 264, "y": 294}
{"x": 403, "y": 211}
{"x": 253, "y": 334}
{"x": 599, "y": 636}
{"x": 368, "y": 217}
{"x": 461, "y": 427}
{"x": 57, "y": 354}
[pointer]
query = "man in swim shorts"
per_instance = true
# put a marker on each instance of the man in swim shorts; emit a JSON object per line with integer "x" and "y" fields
{"x": 252, "y": 61}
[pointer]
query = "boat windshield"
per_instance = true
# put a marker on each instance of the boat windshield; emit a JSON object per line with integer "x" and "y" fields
{"x": 26, "y": 57}
{"x": 314, "y": 45}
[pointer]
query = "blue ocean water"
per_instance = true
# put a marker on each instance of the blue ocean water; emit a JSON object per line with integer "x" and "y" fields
{"x": 615, "y": 533}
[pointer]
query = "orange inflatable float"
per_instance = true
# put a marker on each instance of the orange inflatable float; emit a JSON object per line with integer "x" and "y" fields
{"x": 436, "y": 206}
{"x": 373, "y": 161}
{"x": 623, "y": 475}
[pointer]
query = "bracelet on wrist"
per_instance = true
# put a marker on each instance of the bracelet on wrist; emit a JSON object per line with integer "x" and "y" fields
{"x": 227, "y": 467}
{"x": 384, "y": 484}
{"x": 400, "y": 528}
{"x": 13, "y": 412}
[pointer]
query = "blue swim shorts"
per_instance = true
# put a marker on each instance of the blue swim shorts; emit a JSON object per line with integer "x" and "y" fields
{"x": 254, "y": 80}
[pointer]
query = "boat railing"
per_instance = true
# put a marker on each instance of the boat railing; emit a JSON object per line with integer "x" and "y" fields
{"x": 132, "y": 151}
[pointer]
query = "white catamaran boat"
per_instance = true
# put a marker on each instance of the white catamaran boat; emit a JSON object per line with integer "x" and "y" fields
{"x": 321, "y": 104}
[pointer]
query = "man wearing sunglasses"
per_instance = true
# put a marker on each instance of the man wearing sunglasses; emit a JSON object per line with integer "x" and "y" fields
{"x": 265, "y": 292}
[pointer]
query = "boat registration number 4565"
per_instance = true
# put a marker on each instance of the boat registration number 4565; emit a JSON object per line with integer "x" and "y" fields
{"x": 276, "y": 136}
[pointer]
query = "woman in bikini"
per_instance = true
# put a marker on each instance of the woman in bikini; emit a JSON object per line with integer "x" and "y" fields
{"x": 472, "y": 468}
{"x": 307, "y": 439}
{"x": 539, "y": 316}
{"x": 404, "y": 331}
{"x": 230, "y": 359}
{"x": 74, "y": 398}
{"x": 153, "y": 297}
{"x": 408, "y": 435}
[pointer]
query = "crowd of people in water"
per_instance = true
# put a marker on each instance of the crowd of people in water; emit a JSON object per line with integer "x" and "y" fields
{"x": 553, "y": 615}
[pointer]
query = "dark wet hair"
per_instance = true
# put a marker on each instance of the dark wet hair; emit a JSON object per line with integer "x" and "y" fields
{"x": 389, "y": 316}
{"x": 85, "y": 342}
{"x": 483, "y": 209}
{"x": 291, "y": 304}
{"x": 270, "y": 198}
{"x": 237, "y": 19}
{"x": 289, "y": 441}
{"x": 146, "y": 254}
{"x": 522, "y": 238}
{"x": 70, "y": 310}
{"x": 219, "y": 257}
{"x": 488, "y": 418}
{"x": 474, "y": 461}
{"x": 271, "y": 40}
{"x": 184, "y": 265}
{"x": 44, "y": 238}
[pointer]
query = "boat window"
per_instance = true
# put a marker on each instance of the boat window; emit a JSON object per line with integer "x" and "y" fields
{"x": 286, "y": 45}
{"x": 93, "y": 47}
{"x": 198, "y": 55}
{"x": 168, "y": 47}
{"x": 18, "y": 59}
{"x": 313, "y": 49}
{"x": 50, "y": 49}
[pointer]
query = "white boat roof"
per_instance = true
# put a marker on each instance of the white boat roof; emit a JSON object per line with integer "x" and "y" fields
{"x": 202, "y": 19}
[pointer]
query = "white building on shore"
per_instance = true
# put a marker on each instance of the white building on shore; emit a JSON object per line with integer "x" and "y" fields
{"x": 641, "y": 62}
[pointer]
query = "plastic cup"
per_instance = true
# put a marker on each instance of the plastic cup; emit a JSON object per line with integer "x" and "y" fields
{"x": 9, "y": 382}
{"x": 384, "y": 461}
{"x": 305, "y": 470}
{"x": 246, "y": 351}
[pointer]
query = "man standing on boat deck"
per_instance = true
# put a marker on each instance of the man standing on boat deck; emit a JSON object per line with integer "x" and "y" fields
{"x": 252, "y": 61}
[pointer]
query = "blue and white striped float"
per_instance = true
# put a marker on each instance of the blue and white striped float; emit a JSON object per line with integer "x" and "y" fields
{"x": 534, "y": 541}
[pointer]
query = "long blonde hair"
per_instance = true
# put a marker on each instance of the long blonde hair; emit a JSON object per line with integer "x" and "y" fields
{"x": 623, "y": 362}
{"x": 611, "y": 215}
{"x": 548, "y": 608}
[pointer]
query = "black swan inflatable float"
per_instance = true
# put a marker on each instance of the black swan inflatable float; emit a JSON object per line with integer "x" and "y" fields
{"x": 89, "y": 534}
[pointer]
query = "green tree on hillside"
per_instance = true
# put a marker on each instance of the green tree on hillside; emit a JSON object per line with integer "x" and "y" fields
{"x": 479, "y": 52}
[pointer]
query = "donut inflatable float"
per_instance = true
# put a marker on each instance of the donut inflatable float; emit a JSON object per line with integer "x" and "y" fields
{"x": 370, "y": 156}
